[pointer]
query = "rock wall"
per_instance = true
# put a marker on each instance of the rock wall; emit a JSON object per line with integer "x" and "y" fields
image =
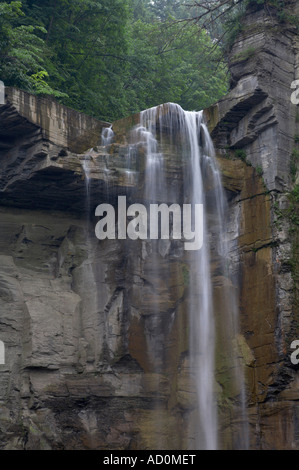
{"x": 75, "y": 313}
{"x": 76, "y": 320}
{"x": 257, "y": 123}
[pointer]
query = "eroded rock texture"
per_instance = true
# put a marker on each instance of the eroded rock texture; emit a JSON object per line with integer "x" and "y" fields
{"x": 85, "y": 365}
{"x": 85, "y": 348}
{"x": 257, "y": 122}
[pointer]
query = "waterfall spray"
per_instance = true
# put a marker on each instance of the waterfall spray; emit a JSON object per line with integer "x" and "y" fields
{"x": 107, "y": 136}
{"x": 202, "y": 185}
{"x": 173, "y": 141}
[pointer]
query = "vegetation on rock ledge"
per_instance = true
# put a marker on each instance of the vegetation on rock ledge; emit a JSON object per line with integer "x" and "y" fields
{"x": 109, "y": 58}
{"x": 112, "y": 58}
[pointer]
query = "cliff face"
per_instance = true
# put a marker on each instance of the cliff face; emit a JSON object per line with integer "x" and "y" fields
{"x": 81, "y": 363}
{"x": 81, "y": 369}
{"x": 258, "y": 123}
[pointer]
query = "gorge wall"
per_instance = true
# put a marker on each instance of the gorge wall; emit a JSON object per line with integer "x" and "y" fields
{"x": 258, "y": 123}
{"x": 80, "y": 338}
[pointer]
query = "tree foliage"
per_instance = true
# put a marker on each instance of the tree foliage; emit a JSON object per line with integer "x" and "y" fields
{"x": 23, "y": 51}
{"x": 174, "y": 64}
{"x": 110, "y": 58}
{"x": 223, "y": 18}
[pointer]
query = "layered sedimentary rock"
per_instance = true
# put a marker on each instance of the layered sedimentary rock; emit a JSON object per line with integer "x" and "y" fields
{"x": 258, "y": 123}
{"x": 81, "y": 369}
{"x": 81, "y": 363}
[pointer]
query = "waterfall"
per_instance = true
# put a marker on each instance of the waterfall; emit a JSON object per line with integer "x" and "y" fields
{"x": 86, "y": 170}
{"x": 180, "y": 168}
{"x": 107, "y": 136}
{"x": 188, "y": 134}
{"x": 144, "y": 135}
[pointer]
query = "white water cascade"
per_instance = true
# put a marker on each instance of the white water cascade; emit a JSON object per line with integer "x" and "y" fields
{"x": 107, "y": 135}
{"x": 180, "y": 167}
{"x": 187, "y": 133}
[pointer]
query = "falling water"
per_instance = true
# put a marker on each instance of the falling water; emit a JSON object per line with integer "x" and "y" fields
{"x": 86, "y": 170}
{"x": 177, "y": 142}
{"x": 202, "y": 185}
{"x": 144, "y": 135}
{"x": 107, "y": 136}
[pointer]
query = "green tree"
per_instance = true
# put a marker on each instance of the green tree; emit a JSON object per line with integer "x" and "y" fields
{"x": 174, "y": 63}
{"x": 23, "y": 51}
{"x": 88, "y": 43}
{"x": 168, "y": 9}
{"x": 109, "y": 58}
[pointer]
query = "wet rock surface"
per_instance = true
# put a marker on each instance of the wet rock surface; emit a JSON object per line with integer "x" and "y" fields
{"x": 80, "y": 335}
{"x": 256, "y": 122}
